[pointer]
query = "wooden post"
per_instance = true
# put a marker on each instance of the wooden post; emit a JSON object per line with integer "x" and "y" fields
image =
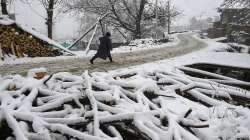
{"x": 90, "y": 40}
{"x": 103, "y": 30}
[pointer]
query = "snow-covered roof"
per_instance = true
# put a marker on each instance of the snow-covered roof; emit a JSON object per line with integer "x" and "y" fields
{"x": 4, "y": 20}
{"x": 43, "y": 37}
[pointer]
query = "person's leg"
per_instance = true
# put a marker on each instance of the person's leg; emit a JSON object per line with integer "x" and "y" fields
{"x": 110, "y": 58}
{"x": 92, "y": 59}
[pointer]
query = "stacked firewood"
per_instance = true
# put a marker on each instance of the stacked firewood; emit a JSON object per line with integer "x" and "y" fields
{"x": 19, "y": 43}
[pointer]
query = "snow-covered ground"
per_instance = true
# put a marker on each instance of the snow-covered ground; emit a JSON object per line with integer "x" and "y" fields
{"x": 82, "y": 54}
{"x": 145, "y": 44}
{"x": 155, "y": 101}
{"x": 214, "y": 53}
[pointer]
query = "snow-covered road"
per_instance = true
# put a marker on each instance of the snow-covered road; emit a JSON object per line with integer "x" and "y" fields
{"x": 79, "y": 65}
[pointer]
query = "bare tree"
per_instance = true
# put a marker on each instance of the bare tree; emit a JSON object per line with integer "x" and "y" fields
{"x": 245, "y": 3}
{"x": 4, "y": 6}
{"x": 236, "y": 15}
{"x": 50, "y": 6}
{"x": 130, "y": 15}
{"x": 167, "y": 14}
{"x": 243, "y": 13}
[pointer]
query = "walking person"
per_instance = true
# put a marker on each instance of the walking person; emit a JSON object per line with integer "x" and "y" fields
{"x": 104, "y": 49}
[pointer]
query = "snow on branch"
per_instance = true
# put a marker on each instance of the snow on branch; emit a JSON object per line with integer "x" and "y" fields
{"x": 148, "y": 105}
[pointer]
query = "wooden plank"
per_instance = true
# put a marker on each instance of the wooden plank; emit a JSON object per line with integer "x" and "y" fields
{"x": 19, "y": 52}
{"x": 13, "y": 49}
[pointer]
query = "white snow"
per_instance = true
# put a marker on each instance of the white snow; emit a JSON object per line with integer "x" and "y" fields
{"x": 146, "y": 44}
{"x": 82, "y": 54}
{"x": 239, "y": 60}
{"x": 146, "y": 98}
{"x": 220, "y": 39}
{"x": 4, "y": 20}
{"x": 214, "y": 53}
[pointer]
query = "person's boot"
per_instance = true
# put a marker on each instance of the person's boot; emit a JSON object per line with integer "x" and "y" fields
{"x": 91, "y": 61}
{"x": 110, "y": 59}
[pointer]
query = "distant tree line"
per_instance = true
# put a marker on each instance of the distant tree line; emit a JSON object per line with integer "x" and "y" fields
{"x": 241, "y": 2}
{"x": 133, "y": 16}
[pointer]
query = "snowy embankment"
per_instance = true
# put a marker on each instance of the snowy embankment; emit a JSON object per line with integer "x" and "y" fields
{"x": 145, "y": 44}
{"x": 139, "y": 45}
{"x": 214, "y": 53}
{"x": 158, "y": 101}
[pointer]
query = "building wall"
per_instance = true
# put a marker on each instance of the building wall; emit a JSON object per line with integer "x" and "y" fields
{"x": 216, "y": 32}
{"x": 234, "y": 24}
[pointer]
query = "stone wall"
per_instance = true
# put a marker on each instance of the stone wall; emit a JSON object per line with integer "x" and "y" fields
{"x": 216, "y": 32}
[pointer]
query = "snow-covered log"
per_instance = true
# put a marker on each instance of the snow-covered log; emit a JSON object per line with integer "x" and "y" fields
{"x": 148, "y": 105}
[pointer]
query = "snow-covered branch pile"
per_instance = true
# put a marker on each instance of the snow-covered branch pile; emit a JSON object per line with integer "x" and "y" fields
{"x": 148, "y": 43}
{"x": 144, "y": 104}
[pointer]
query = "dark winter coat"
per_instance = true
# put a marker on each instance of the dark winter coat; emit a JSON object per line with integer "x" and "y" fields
{"x": 104, "y": 48}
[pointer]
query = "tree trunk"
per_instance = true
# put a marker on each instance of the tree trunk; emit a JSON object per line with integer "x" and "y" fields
{"x": 4, "y": 7}
{"x": 169, "y": 18}
{"x": 50, "y": 12}
{"x": 138, "y": 33}
{"x": 138, "y": 30}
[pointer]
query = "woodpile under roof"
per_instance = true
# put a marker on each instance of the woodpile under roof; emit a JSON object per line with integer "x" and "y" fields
{"x": 21, "y": 41}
